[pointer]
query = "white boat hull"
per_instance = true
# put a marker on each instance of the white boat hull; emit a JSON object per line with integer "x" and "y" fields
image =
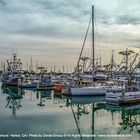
{"x": 88, "y": 91}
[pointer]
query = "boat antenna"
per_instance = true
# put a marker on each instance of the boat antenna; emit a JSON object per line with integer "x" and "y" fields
{"x": 93, "y": 51}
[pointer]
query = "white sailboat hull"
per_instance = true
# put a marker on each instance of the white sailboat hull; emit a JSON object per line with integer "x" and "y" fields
{"x": 88, "y": 91}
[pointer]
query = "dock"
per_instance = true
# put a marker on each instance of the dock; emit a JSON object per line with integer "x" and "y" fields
{"x": 123, "y": 98}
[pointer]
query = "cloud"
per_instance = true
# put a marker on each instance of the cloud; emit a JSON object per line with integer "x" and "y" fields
{"x": 54, "y": 26}
{"x": 118, "y": 12}
{"x": 43, "y": 18}
{"x": 127, "y": 19}
{"x": 2, "y": 3}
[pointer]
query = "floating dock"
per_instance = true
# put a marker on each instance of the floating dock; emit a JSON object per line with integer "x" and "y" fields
{"x": 123, "y": 98}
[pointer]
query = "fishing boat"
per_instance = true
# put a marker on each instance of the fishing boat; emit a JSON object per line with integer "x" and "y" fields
{"x": 43, "y": 83}
{"x": 14, "y": 72}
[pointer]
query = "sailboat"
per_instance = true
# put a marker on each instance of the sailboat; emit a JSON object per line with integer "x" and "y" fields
{"x": 93, "y": 90}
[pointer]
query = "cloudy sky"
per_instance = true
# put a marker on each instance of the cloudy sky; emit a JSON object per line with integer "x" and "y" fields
{"x": 52, "y": 31}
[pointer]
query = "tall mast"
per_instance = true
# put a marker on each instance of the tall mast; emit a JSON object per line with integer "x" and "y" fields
{"x": 112, "y": 63}
{"x": 14, "y": 61}
{"x": 31, "y": 65}
{"x": 93, "y": 56}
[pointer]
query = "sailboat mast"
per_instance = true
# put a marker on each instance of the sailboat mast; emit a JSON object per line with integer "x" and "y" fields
{"x": 93, "y": 51}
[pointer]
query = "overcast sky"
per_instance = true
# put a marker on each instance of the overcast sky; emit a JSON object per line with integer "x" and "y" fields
{"x": 52, "y": 31}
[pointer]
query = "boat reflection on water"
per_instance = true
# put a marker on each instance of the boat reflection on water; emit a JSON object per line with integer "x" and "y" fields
{"x": 130, "y": 118}
{"x": 88, "y": 115}
{"x": 43, "y": 95}
{"x": 59, "y": 98}
{"x": 85, "y": 107}
{"x": 82, "y": 108}
{"x": 86, "y": 100}
{"x": 14, "y": 97}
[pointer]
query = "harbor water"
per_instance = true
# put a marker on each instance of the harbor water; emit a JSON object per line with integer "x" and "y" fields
{"x": 47, "y": 115}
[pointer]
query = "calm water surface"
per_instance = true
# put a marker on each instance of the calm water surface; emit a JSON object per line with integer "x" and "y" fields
{"x": 33, "y": 114}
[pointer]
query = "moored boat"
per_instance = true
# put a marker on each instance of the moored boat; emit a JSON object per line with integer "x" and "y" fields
{"x": 42, "y": 84}
{"x": 14, "y": 72}
{"x": 123, "y": 98}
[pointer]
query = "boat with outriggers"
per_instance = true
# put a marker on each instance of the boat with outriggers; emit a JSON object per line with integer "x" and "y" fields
{"x": 44, "y": 82}
{"x": 13, "y": 72}
{"x": 15, "y": 76}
